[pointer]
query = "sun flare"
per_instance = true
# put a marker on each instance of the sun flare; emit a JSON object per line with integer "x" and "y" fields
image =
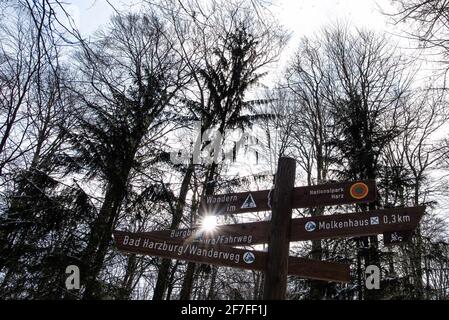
{"x": 209, "y": 223}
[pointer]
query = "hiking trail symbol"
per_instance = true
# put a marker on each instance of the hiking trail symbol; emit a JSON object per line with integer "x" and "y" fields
{"x": 249, "y": 202}
{"x": 249, "y": 257}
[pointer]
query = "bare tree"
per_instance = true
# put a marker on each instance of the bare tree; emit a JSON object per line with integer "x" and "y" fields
{"x": 308, "y": 77}
{"x": 21, "y": 57}
{"x": 131, "y": 75}
{"x": 426, "y": 21}
{"x": 350, "y": 87}
{"x": 226, "y": 48}
{"x": 410, "y": 160}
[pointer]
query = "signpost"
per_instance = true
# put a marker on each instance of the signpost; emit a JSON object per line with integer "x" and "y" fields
{"x": 356, "y": 224}
{"x": 275, "y": 284}
{"x": 302, "y": 197}
{"x": 397, "y": 237}
{"x": 145, "y": 243}
{"x": 393, "y": 223}
{"x": 334, "y": 194}
{"x": 196, "y": 245}
{"x": 232, "y": 203}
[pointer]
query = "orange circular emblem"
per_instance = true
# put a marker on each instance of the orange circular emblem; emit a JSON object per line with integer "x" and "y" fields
{"x": 359, "y": 190}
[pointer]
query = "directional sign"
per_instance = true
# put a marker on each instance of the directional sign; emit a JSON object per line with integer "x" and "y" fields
{"x": 386, "y": 221}
{"x": 303, "y": 197}
{"x": 356, "y": 224}
{"x": 236, "y": 203}
{"x": 218, "y": 246}
{"x": 397, "y": 237}
{"x": 334, "y": 194}
{"x": 231, "y": 235}
{"x": 142, "y": 243}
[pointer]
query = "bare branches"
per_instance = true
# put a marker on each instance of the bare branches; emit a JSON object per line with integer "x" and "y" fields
{"x": 426, "y": 21}
{"x": 29, "y": 79}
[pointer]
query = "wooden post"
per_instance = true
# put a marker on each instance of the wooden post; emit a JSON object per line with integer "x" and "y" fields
{"x": 275, "y": 285}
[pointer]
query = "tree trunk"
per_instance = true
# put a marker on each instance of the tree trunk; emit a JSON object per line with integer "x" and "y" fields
{"x": 211, "y": 294}
{"x": 99, "y": 240}
{"x": 372, "y": 257}
{"x": 416, "y": 253}
{"x": 317, "y": 288}
{"x": 162, "y": 279}
{"x": 171, "y": 281}
{"x": 359, "y": 273}
{"x": 188, "y": 278}
{"x": 188, "y": 282}
{"x": 127, "y": 284}
{"x": 162, "y": 275}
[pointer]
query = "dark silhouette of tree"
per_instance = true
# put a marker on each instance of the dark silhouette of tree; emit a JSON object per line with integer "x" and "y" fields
{"x": 425, "y": 21}
{"x": 226, "y": 57}
{"x": 37, "y": 208}
{"x": 366, "y": 94}
{"x": 132, "y": 74}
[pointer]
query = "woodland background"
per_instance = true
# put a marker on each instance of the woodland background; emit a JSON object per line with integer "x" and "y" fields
{"x": 89, "y": 127}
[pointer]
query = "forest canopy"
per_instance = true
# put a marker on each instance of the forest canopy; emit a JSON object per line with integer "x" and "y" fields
{"x": 129, "y": 128}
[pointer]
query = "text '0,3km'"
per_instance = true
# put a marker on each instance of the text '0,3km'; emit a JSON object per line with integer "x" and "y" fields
{"x": 394, "y": 223}
{"x": 303, "y": 197}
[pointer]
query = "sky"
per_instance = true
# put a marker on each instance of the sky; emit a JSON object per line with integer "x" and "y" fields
{"x": 307, "y": 16}
{"x": 301, "y": 16}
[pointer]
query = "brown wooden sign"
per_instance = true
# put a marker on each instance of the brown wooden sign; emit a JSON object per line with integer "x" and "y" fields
{"x": 218, "y": 246}
{"x": 397, "y": 237}
{"x": 303, "y": 197}
{"x": 334, "y": 194}
{"x": 143, "y": 243}
{"x": 386, "y": 221}
{"x": 356, "y": 224}
{"x": 231, "y": 235}
{"x": 236, "y": 203}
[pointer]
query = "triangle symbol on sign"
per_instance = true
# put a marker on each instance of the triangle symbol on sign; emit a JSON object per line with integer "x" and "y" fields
{"x": 249, "y": 203}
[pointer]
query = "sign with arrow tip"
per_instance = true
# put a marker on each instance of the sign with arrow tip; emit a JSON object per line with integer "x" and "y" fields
{"x": 144, "y": 243}
{"x": 393, "y": 223}
{"x": 303, "y": 197}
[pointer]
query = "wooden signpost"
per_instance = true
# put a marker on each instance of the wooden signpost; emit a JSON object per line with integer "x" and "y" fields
{"x": 242, "y": 202}
{"x": 275, "y": 284}
{"x": 334, "y": 194}
{"x": 217, "y": 247}
{"x": 302, "y": 197}
{"x": 397, "y": 237}
{"x": 393, "y": 223}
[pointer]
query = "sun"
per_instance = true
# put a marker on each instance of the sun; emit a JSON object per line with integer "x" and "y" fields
{"x": 209, "y": 223}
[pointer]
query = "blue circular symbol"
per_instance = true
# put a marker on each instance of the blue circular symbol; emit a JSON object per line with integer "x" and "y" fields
{"x": 310, "y": 226}
{"x": 249, "y": 257}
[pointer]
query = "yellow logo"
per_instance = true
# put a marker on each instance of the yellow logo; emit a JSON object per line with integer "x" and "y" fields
{"x": 359, "y": 190}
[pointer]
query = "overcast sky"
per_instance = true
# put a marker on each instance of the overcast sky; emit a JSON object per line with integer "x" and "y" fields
{"x": 301, "y": 16}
